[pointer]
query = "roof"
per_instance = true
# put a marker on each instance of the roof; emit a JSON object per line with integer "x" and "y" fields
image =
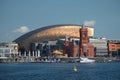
{"x": 41, "y": 29}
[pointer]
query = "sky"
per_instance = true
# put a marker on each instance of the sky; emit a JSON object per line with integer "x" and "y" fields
{"x": 18, "y": 17}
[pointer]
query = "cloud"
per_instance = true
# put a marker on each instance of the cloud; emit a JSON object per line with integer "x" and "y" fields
{"x": 89, "y": 23}
{"x": 22, "y": 29}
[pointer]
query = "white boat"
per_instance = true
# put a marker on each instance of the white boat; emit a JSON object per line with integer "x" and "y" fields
{"x": 86, "y": 60}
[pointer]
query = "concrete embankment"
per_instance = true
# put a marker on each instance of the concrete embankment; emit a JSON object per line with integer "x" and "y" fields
{"x": 107, "y": 59}
{"x": 66, "y": 60}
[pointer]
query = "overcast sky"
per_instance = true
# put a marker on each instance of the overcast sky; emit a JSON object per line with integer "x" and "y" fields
{"x": 18, "y": 17}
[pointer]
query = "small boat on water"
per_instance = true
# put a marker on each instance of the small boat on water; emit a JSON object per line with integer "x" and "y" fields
{"x": 86, "y": 60}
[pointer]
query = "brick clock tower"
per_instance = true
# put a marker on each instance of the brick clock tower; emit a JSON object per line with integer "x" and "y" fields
{"x": 86, "y": 49}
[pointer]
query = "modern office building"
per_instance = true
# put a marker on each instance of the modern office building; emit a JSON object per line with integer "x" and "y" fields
{"x": 100, "y": 46}
{"x": 5, "y": 52}
{"x": 8, "y": 49}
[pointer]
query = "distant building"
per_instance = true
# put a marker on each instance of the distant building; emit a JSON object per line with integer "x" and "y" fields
{"x": 114, "y": 47}
{"x": 70, "y": 48}
{"x": 5, "y": 52}
{"x": 8, "y": 49}
{"x": 46, "y": 48}
{"x": 51, "y": 33}
{"x": 100, "y": 46}
{"x": 81, "y": 48}
{"x": 86, "y": 49}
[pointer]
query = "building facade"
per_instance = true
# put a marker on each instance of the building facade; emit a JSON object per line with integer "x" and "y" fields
{"x": 83, "y": 49}
{"x": 51, "y": 33}
{"x": 70, "y": 48}
{"x": 8, "y": 49}
{"x": 114, "y": 47}
{"x": 100, "y": 46}
{"x": 86, "y": 49}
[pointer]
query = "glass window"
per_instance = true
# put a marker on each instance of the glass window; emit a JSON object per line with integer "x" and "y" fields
{"x": 1, "y": 50}
{"x": 7, "y": 50}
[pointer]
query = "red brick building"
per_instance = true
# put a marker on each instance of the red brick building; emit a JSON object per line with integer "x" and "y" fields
{"x": 70, "y": 48}
{"x": 114, "y": 48}
{"x": 86, "y": 49}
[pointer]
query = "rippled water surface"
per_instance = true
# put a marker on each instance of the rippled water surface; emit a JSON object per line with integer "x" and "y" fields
{"x": 59, "y": 71}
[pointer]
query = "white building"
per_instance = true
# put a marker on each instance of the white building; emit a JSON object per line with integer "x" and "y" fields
{"x": 8, "y": 49}
{"x": 5, "y": 52}
{"x": 100, "y": 45}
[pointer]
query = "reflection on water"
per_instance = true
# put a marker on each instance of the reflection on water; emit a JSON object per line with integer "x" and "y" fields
{"x": 59, "y": 71}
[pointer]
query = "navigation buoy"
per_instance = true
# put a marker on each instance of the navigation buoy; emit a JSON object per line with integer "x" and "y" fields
{"x": 75, "y": 69}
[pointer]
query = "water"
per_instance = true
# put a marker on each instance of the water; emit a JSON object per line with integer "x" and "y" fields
{"x": 59, "y": 71}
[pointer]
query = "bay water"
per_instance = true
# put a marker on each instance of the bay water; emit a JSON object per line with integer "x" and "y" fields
{"x": 59, "y": 71}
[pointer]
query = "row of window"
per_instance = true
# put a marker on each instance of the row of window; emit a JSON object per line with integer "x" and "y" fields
{"x": 5, "y": 50}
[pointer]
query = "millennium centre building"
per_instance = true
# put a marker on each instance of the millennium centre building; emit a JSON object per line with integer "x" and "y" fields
{"x": 51, "y": 33}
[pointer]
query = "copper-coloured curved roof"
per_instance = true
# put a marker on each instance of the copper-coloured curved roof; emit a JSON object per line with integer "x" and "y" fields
{"x": 49, "y": 33}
